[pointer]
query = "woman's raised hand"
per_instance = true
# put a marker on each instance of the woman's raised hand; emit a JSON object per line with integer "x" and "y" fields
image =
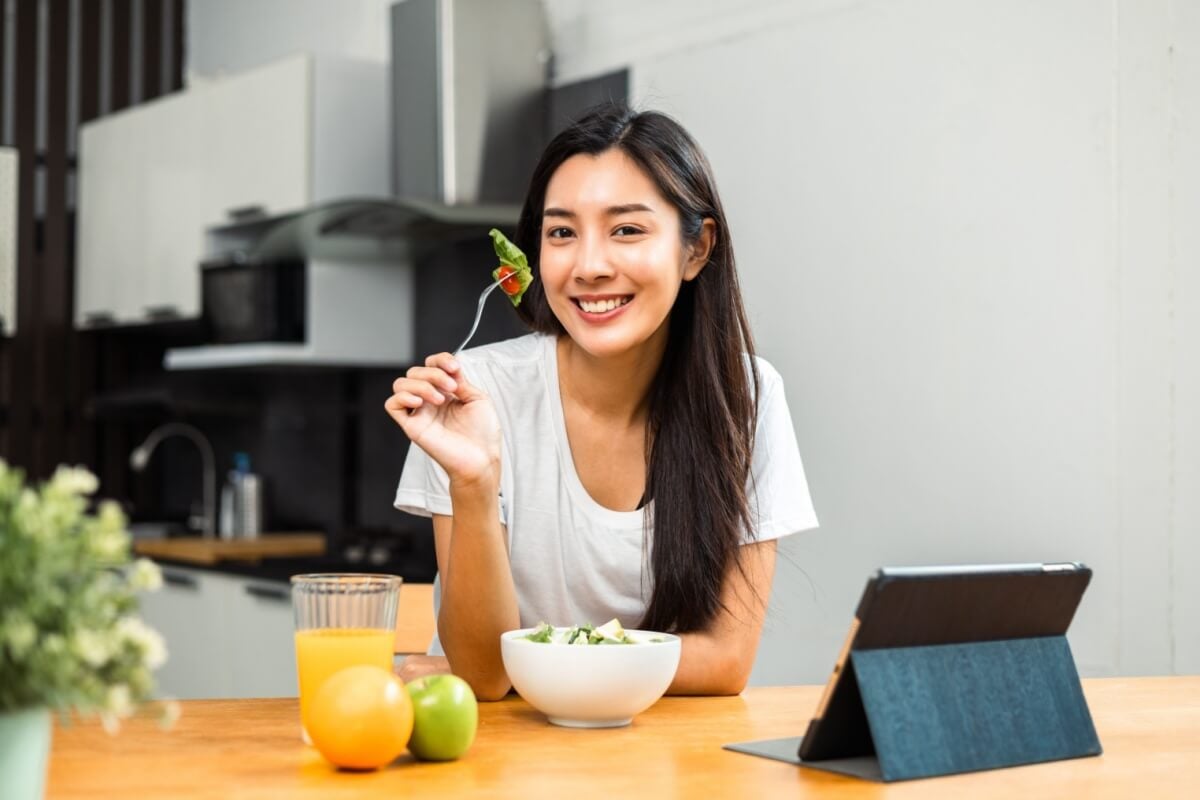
{"x": 447, "y": 417}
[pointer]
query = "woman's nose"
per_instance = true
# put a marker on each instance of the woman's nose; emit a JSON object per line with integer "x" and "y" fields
{"x": 592, "y": 260}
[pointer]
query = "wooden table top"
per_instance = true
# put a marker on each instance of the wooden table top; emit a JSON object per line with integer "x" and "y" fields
{"x": 1149, "y": 727}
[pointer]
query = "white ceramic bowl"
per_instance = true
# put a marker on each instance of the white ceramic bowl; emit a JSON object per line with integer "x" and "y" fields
{"x": 590, "y": 686}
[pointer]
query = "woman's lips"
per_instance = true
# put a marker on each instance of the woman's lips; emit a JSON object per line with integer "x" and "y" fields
{"x": 590, "y": 308}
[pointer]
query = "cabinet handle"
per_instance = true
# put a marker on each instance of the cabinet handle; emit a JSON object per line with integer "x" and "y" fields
{"x": 179, "y": 579}
{"x": 161, "y": 313}
{"x": 246, "y": 213}
{"x": 269, "y": 593}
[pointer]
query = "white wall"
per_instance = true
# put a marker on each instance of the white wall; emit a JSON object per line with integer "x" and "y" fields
{"x": 964, "y": 235}
{"x": 229, "y": 36}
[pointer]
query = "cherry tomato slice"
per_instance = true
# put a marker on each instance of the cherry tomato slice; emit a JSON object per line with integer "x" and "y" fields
{"x": 510, "y": 284}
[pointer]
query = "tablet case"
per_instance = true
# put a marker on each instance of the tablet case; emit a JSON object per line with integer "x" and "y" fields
{"x": 903, "y": 712}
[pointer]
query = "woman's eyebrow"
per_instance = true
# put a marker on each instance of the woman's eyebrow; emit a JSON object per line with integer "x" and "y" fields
{"x": 611, "y": 211}
{"x": 627, "y": 208}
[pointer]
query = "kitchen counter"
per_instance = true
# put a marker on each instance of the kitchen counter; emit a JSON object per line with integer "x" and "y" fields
{"x": 202, "y": 550}
{"x": 1149, "y": 727}
{"x": 414, "y": 566}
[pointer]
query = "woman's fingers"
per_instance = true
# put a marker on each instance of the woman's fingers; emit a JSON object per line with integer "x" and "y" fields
{"x": 445, "y": 362}
{"x": 402, "y": 401}
{"x": 445, "y": 372}
{"x": 424, "y": 390}
{"x": 435, "y": 384}
{"x": 432, "y": 376}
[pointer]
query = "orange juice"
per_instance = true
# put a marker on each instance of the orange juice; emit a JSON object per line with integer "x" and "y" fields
{"x": 321, "y": 652}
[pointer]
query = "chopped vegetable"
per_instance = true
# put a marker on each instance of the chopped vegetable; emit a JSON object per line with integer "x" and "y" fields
{"x": 514, "y": 267}
{"x": 541, "y": 633}
{"x": 610, "y": 632}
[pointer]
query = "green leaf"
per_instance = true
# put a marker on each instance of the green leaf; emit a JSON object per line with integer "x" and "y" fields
{"x": 507, "y": 252}
{"x": 510, "y": 254}
{"x": 542, "y": 633}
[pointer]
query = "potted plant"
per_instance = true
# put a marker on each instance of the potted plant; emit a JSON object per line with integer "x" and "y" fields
{"x": 71, "y": 641}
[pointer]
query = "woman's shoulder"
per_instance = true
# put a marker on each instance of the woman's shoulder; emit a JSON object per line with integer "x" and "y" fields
{"x": 769, "y": 379}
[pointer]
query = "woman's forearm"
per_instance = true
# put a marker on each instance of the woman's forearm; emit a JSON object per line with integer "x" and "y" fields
{"x": 718, "y": 660}
{"x": 479, "y": 601}
{"x": 710, "y": 666}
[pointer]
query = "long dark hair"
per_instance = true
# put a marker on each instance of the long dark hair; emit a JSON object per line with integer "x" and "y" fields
{"x": 702, "y": 411}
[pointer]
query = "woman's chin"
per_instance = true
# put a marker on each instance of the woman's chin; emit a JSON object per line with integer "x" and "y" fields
{"x": 612, "y": 344}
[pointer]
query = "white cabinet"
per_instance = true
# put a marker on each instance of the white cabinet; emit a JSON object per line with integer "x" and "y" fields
{"x": 152, "y": 178}
{"x": 188, "y": 612}
{"x": 227, "y": 636}
{"x": 262, "y": 639}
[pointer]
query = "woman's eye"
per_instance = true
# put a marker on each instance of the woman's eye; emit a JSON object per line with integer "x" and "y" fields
{"x": 558, "y": 233}
{"x": 628, "y": 230}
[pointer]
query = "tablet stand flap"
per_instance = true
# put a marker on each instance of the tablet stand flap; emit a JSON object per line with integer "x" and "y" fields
{"x": 941, "y": 709}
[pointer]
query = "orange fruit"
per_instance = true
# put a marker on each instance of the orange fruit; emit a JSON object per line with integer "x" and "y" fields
{"x": 361, "y": 718}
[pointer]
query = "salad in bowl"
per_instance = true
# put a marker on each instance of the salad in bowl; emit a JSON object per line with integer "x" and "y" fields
{"x": 588, "y": 676}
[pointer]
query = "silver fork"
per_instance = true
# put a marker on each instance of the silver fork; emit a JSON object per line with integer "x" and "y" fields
{"x": 479, "y": 312}
{"x": 475, "y": 325}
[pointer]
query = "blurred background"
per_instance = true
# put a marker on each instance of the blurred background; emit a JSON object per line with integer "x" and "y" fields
{"x": 961, "y": 229}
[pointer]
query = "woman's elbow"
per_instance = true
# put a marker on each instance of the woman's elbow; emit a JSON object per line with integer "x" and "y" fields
{"x": 721, "y": 678}
{"x": 487, "y": 684}
{"x": 490, "y": 690}
{"x": 734, "y": 675}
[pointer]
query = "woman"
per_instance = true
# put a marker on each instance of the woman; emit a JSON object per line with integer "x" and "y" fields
{"x": 629, "y": 459}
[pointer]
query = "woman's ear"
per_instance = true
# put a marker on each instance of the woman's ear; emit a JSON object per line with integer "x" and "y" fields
{"x": 700, "y": 249}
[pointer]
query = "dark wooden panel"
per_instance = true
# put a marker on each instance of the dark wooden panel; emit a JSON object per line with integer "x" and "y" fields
{"x": 121, "y": 28}
{"x": 48, "y": 372}
{"x": 3, "y": 137}
{"x": 21, "y": 420}
{"x": 152, "y": 24}
{"x": 90, "y": 31}
{"x": 179, "y": 11}
{"x": 55, "y": 354}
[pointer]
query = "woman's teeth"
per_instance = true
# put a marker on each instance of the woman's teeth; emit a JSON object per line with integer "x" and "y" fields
{"x": 601, "y": 306}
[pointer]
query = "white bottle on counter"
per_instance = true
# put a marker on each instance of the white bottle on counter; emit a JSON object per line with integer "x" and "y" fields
{"x": 226, "y": 517}
{"x": 247, "y": 499}
{"x": 241, "y": 502}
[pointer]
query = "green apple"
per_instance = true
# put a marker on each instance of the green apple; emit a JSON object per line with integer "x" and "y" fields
{"x": 445, "y": 716}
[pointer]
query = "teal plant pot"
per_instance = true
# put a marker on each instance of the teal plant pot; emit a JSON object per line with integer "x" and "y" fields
{"x": 24, "y": 753}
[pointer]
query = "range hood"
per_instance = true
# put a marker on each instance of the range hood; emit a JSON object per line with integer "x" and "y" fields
{"x": 359, "y": 228}
{"x": 469, "y": 84}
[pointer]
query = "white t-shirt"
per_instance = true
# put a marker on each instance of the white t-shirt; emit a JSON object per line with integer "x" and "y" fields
{"x": 573, "y": 560}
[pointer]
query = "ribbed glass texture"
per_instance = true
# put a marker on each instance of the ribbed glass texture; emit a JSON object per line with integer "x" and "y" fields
{"x": 345, "y": 600}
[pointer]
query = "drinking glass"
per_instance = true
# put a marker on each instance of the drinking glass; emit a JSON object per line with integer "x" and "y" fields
{"x": 342, "y": 620}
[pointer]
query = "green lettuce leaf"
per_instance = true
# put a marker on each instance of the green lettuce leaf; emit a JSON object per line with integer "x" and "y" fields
{"x": 510, "y": 254}
{"x": 507, "y": 252}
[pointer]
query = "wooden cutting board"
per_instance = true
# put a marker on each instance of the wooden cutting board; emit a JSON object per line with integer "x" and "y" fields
{"x": 209, "y": 551}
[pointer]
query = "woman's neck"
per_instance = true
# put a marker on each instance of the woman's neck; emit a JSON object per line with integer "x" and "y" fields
{"x": 616, "y": 387}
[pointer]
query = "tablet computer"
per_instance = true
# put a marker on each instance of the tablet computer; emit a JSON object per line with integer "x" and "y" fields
{"x": 904, "y": 607}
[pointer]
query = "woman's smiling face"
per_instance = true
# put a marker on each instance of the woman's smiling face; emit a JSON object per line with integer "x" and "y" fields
{"x": 612, "y": 259}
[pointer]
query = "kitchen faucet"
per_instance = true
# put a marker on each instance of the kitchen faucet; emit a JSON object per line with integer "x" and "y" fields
{"x": 140, "y": 457}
